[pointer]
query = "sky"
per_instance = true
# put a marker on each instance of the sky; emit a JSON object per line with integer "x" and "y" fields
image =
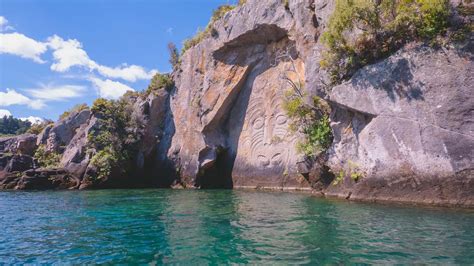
{"x": 55, "y": 54}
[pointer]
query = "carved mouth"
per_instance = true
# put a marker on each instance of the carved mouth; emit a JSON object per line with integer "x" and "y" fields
{"x": 275, "y": 160}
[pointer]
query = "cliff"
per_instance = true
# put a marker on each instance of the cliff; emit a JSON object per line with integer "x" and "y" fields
{"x": 401, "y": 118}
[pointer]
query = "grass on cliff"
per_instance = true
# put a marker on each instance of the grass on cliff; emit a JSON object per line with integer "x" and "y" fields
{"x": 362, "y": 31}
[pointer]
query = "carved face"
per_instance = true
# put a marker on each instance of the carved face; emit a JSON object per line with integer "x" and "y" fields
{"x": 265, "y": 130}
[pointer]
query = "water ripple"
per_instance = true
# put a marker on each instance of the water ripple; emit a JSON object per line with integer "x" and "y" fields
{"x": 224, "y": 227}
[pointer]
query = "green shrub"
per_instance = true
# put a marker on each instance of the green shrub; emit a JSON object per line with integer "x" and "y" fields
{"x": 339, "y": 178}
{"x": 75, "y": 109}
{"x": 312, "y": 120}
{"x": 47, "y": 159}
{"x": 105, "y": 161}
{"x": 353, "y": 172}
{"x": 113, "y": 142}
{"x": 318, "y": 136}
{"x": 174, "y": 59}
{"x": 158, "y": 82}
{"x": 356, "y": 176}
{"x": 382, "y": 27}
{"x": 38, "y": 128}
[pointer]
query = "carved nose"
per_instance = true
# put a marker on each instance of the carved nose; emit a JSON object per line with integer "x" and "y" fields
{"x": 268, "y": 133}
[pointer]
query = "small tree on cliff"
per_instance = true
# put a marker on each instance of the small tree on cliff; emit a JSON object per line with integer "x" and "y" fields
{"x": 174, "y": 55}
{"x": 309, "y": 115}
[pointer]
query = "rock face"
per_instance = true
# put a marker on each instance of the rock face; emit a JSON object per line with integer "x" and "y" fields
{"x": 22, "y": 144}
{"x": 148, "y": 115}
{"x": 402, "y": 127}
{"x": 57, "y": 137}
{"x": 406, "y": 126}
{"x": 231, "y": 130}
{"x": 75, "y": 158}
{"x": 39, "y": 179}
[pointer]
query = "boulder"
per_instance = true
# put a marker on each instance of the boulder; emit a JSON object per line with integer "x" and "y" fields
{"x": 406, "y": 126}
{"x": 21, "y": 144}
{"x": 20, "y": 163}
{"x": 75, "y": 158}
{"x": 57, "y": 137}
{"x": 38, "y": 179}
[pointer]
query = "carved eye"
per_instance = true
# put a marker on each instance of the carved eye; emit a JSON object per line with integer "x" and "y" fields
{"x": 276, "y": 159}
{"x": 262, "y": 159}
{"x": 281, "y": 119}
{"x": 258, "y": 123}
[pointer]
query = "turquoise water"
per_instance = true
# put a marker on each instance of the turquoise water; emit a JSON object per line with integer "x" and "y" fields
{"x": 220, "y": 227}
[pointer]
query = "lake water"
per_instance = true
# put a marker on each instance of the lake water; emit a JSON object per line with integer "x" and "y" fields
{"x": 224, "y": 226}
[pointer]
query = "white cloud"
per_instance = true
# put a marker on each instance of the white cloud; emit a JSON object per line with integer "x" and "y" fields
{"x": 57, "y": 93}
{"x": 110, "y": 89}
{"x": 11, "y": 97}
{"x": 68, "y": 54}
{"x": 20, "y": 45}
{"x": 4, "y": 112}
{"x": 128, "y": 73}
{"x": 169, "y": 31}
{"x": 4, "y": 24}
{"x": 33, "y": 119}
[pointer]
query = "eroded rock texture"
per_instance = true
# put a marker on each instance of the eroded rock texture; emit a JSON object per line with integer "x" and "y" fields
{"x": 402, "y": 127}
{"x": 56, "y": 137}
{"x": 406, "y": 125}
{"x": 22, "y": 144}
{"x": 231, "y": 130}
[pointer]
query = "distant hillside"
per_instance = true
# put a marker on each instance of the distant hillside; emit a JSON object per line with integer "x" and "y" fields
{"x": 13, "y": 126}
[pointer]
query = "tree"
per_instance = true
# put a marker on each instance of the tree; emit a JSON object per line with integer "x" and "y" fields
{"x": 13, "y": 126}
{"x": 174, "y": 55}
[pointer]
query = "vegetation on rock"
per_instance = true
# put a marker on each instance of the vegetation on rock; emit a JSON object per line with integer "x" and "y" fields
{"x": 47, "y": 159}
{"x": 310, "y": 119}
{"x": 105, "y": 140}
{"x": 209, "y": 30}
{"x": 113, "y": 141}
{"x": 74, "y": 110}
{"x": 158, "y": 82}
{"x": 362, "y": 31}
{"x": 174, "y": 59}
{"x": 38, "y": 128}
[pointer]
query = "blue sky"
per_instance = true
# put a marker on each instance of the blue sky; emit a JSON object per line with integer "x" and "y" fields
{"x": 58, "y": 53}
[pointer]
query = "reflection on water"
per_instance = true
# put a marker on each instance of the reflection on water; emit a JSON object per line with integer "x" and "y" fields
{"x": 189, "y": 227}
